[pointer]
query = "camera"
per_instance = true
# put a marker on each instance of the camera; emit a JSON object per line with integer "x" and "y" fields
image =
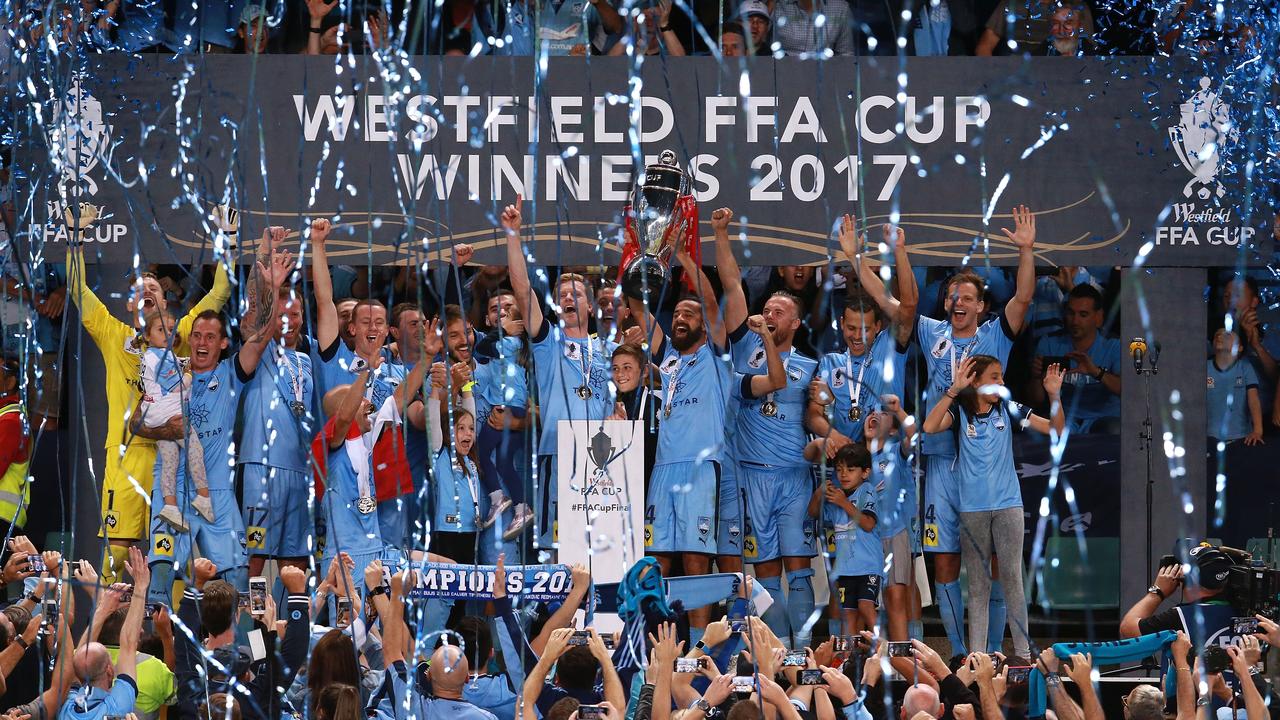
{"x": 1254, "y": 590}
{"x": 1216, "y": 659}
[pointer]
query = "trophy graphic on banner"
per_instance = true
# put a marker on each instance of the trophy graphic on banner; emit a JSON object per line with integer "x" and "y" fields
{"x": 662, "y": 213}
{"x": 1199, "y": 138}
{"x": 601, "y": 453}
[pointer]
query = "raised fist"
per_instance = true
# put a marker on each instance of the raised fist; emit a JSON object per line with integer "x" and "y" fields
{"x": 720, "y": 219}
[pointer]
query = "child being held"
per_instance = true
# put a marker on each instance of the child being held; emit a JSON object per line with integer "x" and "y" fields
{"x": 166, "y": 387}
{"x": 850, "y": 508}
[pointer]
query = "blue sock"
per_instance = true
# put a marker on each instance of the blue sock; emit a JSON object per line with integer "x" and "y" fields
{"x": 915, "y": 629}
{"x": 238, "y": 577}
{"x": 800, "y": 606}
{"x": 996, "y": 617}
{"x": 951, "y": 608}
{"x": 776, "y": 616}
{"x": 434, "y": 616}
{"x": 695, "y": 634}
{"x": 161, "y": 588}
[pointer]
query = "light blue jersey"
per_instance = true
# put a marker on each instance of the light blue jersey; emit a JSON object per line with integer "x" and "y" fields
{"x": 215, "y": 398}
{"x": 501, "y": 380}
{"x": 1084, "y": 398}
{"x": 564, "y": 367}
{"x": 458, "y": 497}
{"x": 895, "y": 489}
{"x": 340, "y": 366}
{"x": 92, "y": 703}
{"x": 771, "y": 429}
{"x": 857, "y": 551}
{"x": 860, "y": 380}
{"x": 985, "y": 470}
{"x": 697, "y": 389}
{"x": 273, "y": 434}
{"x": 943, "y": 354}
{"x": 1227, "y": 401}
{"x": 344, "y": 528}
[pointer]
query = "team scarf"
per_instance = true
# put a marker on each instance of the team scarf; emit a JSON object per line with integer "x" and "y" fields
{"x": 1113, "y": 652}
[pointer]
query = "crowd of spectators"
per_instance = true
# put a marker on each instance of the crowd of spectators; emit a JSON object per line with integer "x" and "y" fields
{"x": 734, "y": 28}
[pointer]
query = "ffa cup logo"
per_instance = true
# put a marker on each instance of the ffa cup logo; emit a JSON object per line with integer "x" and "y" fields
{"x": 757, "y": 358}
{"x": 1199, "y": 137}
{"x": 572, "y": 351}
{"x": 1210, "y": 382}
{"x": 940, "y": 347}
{"x": 79, "y": 136}
{"x": 837, "y": 378}
{"x": 669, "y": 366}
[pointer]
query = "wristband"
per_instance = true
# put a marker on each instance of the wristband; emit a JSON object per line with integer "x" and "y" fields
{"x": 316, "y": 30}
{"x": 22, "y": 642}
{"x": 1053, "y": 679}
{"x": 950, "y": 394}
{"x": 380, "y": 590}
{"x": 665, "y": 28}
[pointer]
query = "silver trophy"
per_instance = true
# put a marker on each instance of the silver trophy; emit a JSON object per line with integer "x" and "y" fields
{"x": 660, "y": 212}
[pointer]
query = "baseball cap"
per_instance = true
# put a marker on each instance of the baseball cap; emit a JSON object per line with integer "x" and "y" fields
{"x": 251, "y": 12}
{"x": 753, "y": 7}
{"x": 1210, "y": 567}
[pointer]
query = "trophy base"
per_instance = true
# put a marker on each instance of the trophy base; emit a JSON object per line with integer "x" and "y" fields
{"x": 645, "y": 273}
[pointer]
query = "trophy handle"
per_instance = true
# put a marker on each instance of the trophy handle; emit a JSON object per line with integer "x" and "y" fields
{"x": 1175, "y": 139}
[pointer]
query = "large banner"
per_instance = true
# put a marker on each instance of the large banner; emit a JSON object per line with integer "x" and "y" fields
{"x": 600, "y": 493}
{"x": 1109, "y": 158}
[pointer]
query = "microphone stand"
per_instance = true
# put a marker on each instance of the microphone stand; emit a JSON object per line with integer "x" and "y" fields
{"x": 1145, "y": 371}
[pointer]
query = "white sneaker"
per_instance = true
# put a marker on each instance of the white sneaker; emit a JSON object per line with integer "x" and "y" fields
{"x": 204, "y": 506}
{"x": 173, "y": 518}
{"x": 498, "y": 507}
{"x": 523, "y": 518}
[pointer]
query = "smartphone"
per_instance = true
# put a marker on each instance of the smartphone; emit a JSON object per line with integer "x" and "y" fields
{"x": 258, "y": 595}
{"x": 592, "y": 712}
{"x": 580, "y": 637}
{"x": 690, "y": 665}
{"x": 810, "y": 677}
{"x": 608, "y": 641}
{"x": 344, "y": 612}
{"x": 795, "y": 658}
{"x": 850, "y": 643}
{"x": 1168, "y": 561}
{"x": 743, "y": 684}
{"x": 242, "y": 600}
{"x": 1244, "y": 625}
{"x": 49, "y": 611}
{"x": 152, "y": 608}
{"x": 1017, "y": 674}
{"x": 901, "y": 649}
{"x": 737, "y": 625}
{"x": 126, "y": 597}
{"x": 35, "y": 564}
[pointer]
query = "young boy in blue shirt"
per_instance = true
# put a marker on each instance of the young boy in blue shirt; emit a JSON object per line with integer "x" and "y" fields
{"x": 848, "y": 505}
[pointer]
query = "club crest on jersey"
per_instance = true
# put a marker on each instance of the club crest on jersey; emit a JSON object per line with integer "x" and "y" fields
{"x": 757, "y": 358}
{"x": 794, "y": 374}
{"x": 940, "y": 347}
{"x": 213, "y": 385}
{"x": 999, "y": 423}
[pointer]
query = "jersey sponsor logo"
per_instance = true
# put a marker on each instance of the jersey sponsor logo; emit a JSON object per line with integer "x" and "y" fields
{"x": 255, "y": 537}
{"x": 110, "y": 519}
{"x": 1239, "y": 382}
{"x": 648, "y": 535}
{"x": 163, "y": 545}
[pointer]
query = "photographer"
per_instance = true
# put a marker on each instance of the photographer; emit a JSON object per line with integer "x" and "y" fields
{"x": 1202, "y": 594}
